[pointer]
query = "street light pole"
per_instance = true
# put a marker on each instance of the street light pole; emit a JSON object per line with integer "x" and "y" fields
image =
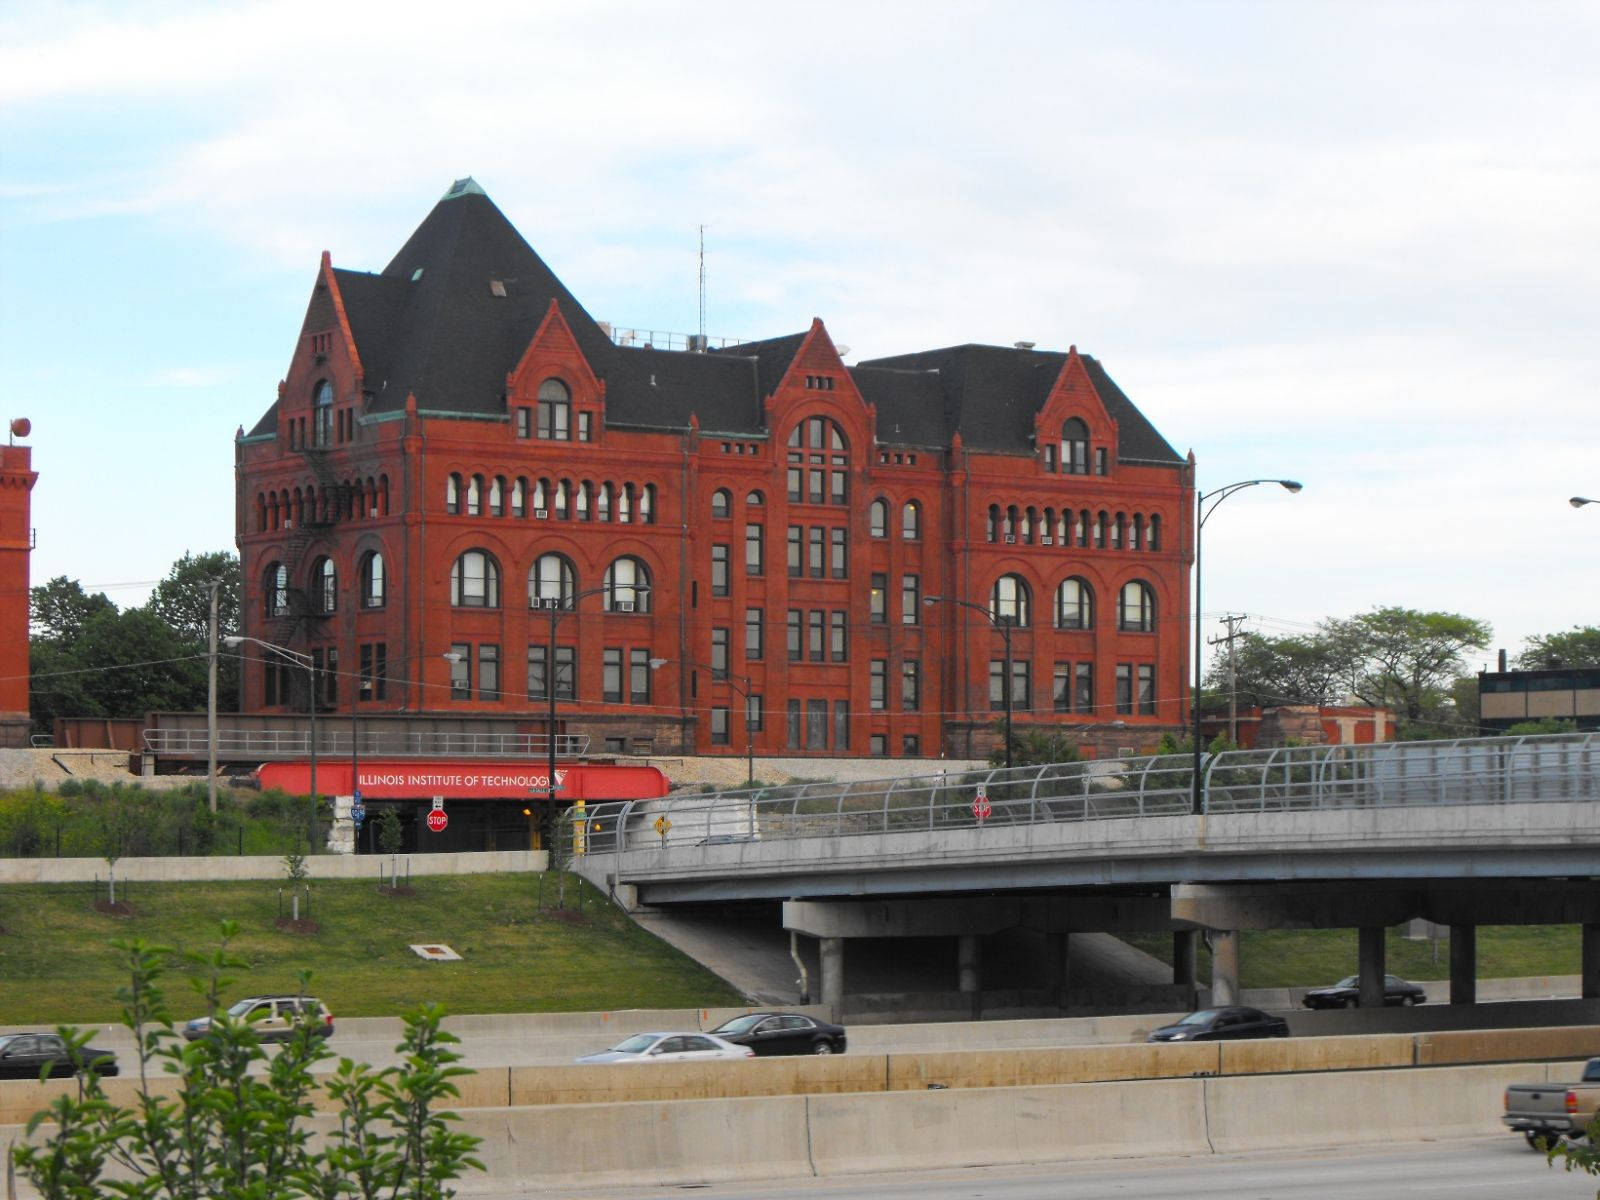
{"x": 306, "y": 661}
{"x": 1202, "y": 512}
{"x": 1003, "y": 624}
{"x": 557, "y": 611}
{"x": 740, "y": 684}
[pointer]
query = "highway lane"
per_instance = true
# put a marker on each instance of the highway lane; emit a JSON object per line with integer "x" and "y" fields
{"x": 1474, "y": 1169}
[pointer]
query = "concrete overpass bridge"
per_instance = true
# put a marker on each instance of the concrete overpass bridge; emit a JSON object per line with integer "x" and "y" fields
{"x": 1493, "y": 831}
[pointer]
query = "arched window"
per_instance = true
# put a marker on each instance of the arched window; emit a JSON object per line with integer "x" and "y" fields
{"x": 878, "y": 518}
{"x": 541, "y": 497}
{"x": 551, "y": 578}
{"x": 1154, "y": 541}
{"x": 625, "y": 503}
{"x": 1030, "y": 520}
{"x": 755, "y": 500}
{"x": 475, "y": 581}
{"x": 475, "y": 496}
{"x": 1011, "y": 523}
{"x": 721, "y": 503}
{"x": 555, "y": 411}
{"x": 585, "y": 491}
{"x": 1081, "y": 531}
{"x": 1136, "y": 607}
{"x": 383, "y": 495}
{"x": 275, "y": 590}
{"x": 647, "y": 505}
{"x": 322, "y": 416}
{"x": 497, "y": 496}
{"x": 1118, "y": 524}
{"x": 1100, "y": 523}
{"x": 911, "y": 521}
{"x": 372, "y": 580}
{"x": 519, "y": 496}
{"x": 819, "y": 463}
{"x": 1009, "y": 601}
{"x": 993, "y": 527}
{"x": 1136, "y": 532}
{"x": 261, "y": 512}
{"x": 563, "y": 489}
{"x": 452, "y": 494}
{"x": 602, "y": 502}
{"x": 324, "y": 586}
{"x": 1047, "y": 527}
{"x": 627, "y": 586}
{"x": 1074, "y": 604}
{"x": 1074, "y": 447}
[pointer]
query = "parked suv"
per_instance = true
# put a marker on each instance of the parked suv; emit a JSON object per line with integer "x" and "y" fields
{"x": 274, "y": 1017}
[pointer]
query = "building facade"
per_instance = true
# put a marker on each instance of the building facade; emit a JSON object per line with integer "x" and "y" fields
{"x": 468, "y": 494}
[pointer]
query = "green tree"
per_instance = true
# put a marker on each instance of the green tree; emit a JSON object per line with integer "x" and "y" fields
{"x": 1033, "y": 746}
{"x": 1403, "y": 659}
{"x": 183, "y": 601}
{"x": 229, "y": 1133}
{"x": 1270, "y": 671}
{"x": 1576, "y": 647}
{"x": 59, "y": 608}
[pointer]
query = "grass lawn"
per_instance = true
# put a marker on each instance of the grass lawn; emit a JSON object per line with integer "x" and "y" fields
{"x": 57, "y": 963}
{"x": 1276, "y": 958}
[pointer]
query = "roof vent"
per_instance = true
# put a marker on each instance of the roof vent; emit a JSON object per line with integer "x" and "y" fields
{"x": 497, "y": 288}
{"x": 416, "y": 275}
{"x": 1024, "y": 345}
{"x": 463, "y": 187}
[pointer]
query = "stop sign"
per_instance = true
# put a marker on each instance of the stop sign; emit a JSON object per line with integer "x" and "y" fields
{"x": 980, "y": 806}
{"x": 437, "y": 820}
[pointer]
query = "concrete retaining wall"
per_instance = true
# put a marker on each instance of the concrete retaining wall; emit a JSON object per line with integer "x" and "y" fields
{"x": 671, "y": 1144}
{"x": 267, "y": 866}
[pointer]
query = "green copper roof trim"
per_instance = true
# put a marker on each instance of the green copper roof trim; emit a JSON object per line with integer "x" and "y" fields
{"x": 463, "y": 187}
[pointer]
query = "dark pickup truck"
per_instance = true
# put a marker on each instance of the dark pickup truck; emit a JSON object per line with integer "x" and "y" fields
{"x": 1548, "y": 1111}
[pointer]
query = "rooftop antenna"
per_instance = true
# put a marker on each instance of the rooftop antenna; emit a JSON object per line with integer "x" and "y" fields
{"x": 702, "y": 229}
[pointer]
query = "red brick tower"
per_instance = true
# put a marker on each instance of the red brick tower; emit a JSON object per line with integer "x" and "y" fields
{"x": 16, "y": 544}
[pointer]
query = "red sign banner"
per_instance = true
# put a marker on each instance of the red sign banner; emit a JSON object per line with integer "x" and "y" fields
{"x": 466, "y": 779}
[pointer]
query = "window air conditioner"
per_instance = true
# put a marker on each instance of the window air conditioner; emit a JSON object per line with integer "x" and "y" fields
{"x": 1011, "y": 539}
{"x": 623, "y": 606}
{"x": 550, "y": 602}
{"x": 1047, "y": 540}
{"x": 542, "y": 514}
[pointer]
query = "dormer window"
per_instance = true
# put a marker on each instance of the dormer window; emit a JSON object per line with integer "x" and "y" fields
{"x": 1074, "y": 448}
{"x": 555, "y": 411}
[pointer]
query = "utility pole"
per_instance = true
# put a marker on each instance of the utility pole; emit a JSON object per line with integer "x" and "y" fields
{"x": 211, "y": 703}
{"x": 1232, "y": 622}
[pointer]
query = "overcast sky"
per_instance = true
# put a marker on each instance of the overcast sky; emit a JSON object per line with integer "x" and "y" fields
{"x": 1356, "y": 244}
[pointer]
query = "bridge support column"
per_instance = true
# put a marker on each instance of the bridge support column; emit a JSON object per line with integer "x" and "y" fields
{"x": 1184, "y": 943}
{"x": 1372, "y": 967}
{"x": 1224, "y": 966}
{"x": 968, "y": 954}
{"x": 1591, "y": 962}
{"x": 1058, "y": 966}
{"x": 1463, "y": 964}
{"x": 832, "y": 955}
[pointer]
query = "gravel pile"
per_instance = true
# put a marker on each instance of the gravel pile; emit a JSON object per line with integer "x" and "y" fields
{"x": 21, "y": 768}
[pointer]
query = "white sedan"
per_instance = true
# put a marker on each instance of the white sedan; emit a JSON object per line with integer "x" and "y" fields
{"x": 669, "y": 1047}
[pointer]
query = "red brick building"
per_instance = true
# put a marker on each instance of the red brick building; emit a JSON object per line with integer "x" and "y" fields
{"x": 460, "y": 450}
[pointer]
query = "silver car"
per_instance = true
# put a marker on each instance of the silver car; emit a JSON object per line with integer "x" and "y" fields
{"x": 669, "y": 1047}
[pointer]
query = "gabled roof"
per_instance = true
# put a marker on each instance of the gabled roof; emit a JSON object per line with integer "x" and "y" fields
{"x": 452, "y": 314}
{"x": 991, "y": 394}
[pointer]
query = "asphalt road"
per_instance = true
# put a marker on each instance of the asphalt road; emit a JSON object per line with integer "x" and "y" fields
{"x": 1498, "y": 1168}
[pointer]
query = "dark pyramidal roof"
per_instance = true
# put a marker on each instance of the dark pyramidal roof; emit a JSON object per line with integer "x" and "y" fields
{"x": 434, "y": 323}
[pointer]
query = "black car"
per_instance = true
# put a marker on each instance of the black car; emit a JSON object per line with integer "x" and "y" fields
{"x": 782, "y": 1033}
{"x": 26, "y": 1055}
{"x": 1347, "y": 993}
{"x": 1218, "y": 1024}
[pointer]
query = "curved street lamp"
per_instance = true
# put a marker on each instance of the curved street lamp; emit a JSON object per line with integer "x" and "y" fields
{"x": 306, "y": 661}
{"x": 1003, "y": 624}
{"x": 1580, "y": 501}
{"x": 740, "y": 684}
{"x": 1203, "y": 510}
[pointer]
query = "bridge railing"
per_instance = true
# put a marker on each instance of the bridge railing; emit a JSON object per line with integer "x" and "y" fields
{"x": 333, "y": 739}
{"x": 1470, "y": 771}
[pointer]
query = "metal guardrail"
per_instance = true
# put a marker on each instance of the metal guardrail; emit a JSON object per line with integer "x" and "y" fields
{"x": 333, "y": 742}
{"x": 1379, "y": 775}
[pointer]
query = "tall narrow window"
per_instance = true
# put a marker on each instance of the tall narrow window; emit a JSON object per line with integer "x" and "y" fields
{"x": 878, "y": 518}
{"x": 719, "y": 726}
{"x": 754, "y": 626}
{"x": 275, "y": 589}
{"x": 461, "y": 671}
{"x": 555, "y": 411}
{"x": 721, "y": 503}
{"x": 1147, "y": 689}
{"x": 452, "y": 494}
{"x": 910, "y": 599}
{"x": 1136, "y": 607}
{"x": 814, "y": 635}
{"x": 814, "y": 555}
{"x": 1010, "y": 600}
{"x": 1124, "y": 687}
{"x": 878, "y": 685}
{"x": 792, "y": 634}
{"x": 611, "y": 675}
{"x": 754, "y": 549}
{"x": 322, "y": 418}
{"x": 324, "y": 585}
{"x": 796, "y": 551}
{"x": 910, "y": 685}
{"x": 475, "y": 496}
{"x": 488, "y": 672}
{"x": 639, "y": 676}
{"x": 1061, "y": 687}
{"x": 841, "y": 725}
{"x": 1074, "y": 604}
{"x": 719, "y": 569}
{"x": 1083, "y": 688}
{"x": 838, "y": 554}
{"x": 1074, "y": 447}
{"x": 878, "y": 601}
{"x": 911, "y": 521}
{"x": 838, "y": 636}
{"x": 719, "y": 648}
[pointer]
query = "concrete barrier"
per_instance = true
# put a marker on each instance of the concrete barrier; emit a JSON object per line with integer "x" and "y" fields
{"x": 647, "y": 1082}
{"x": 1032, "y": 1068}
{"x": 1472, "y": 1046}
{"x": 945, "y": 1129}
{"x": 1358, "y": 1107}
{"x": 270, "y": 866}
{"x": 1274, "y": 1056}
